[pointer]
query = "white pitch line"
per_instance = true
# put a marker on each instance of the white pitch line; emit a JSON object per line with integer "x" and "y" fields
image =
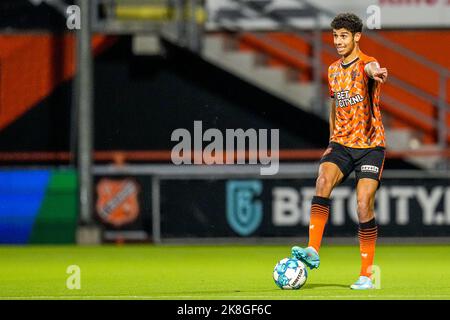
{"x": 381, "y": 297}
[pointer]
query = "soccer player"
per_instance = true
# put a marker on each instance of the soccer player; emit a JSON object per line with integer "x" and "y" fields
{"x": 357, "y": 144}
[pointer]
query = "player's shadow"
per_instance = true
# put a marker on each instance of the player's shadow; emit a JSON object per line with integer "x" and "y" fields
{"x": 324, "y": 285}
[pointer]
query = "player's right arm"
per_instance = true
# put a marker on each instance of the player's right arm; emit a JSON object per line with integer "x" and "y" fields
{"x": 332, "y": 116}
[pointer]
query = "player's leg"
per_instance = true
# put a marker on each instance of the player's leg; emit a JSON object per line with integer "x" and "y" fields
{"x": 329, "y": 176}
{"x": 368, "y": 231}
{"x": 368, "y": 176}
{"x": 335, "y": 165}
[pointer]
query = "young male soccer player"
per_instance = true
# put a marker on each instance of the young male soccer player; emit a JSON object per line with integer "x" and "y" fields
{"x": 356, "y": 144}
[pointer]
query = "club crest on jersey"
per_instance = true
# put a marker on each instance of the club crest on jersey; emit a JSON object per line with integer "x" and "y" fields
{"x": 343, "y": 99}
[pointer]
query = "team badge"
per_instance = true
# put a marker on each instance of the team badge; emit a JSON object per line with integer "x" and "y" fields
{"x": 117, "y": 202}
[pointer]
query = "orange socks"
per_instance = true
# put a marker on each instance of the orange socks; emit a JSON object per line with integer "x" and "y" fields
{"x": 320, "y": 209}
{"x": 367, "y": 234}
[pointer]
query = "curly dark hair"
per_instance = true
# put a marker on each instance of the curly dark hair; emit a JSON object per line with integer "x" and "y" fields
{"x": 349, "y": 21}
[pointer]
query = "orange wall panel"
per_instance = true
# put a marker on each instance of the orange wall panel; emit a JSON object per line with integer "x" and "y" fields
{"x": 31, "y": 66}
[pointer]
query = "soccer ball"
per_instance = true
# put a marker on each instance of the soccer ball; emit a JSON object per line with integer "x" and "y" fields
{"x": 290, "y": 273}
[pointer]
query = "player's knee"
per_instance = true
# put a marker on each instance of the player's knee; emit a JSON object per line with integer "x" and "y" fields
{"x": 364, "y": 206}
{"x": 324, "y": 185}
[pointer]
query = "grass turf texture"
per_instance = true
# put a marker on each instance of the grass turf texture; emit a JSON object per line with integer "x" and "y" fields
{"x": 216, "y": 272}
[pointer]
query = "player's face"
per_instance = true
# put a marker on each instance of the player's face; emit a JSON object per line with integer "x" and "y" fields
{"x": 344, "y": 41}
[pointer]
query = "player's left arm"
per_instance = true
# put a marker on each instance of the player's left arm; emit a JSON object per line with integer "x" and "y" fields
{"x": 374, "y": 71}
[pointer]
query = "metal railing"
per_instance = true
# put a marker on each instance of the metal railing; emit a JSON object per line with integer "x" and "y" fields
{"x": 424, "y": 121}
{"x": 178, "y": 19}
{"x": 441, "y": 71}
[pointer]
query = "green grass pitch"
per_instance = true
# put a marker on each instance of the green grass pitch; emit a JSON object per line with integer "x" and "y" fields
{"x": 216, "y": 272}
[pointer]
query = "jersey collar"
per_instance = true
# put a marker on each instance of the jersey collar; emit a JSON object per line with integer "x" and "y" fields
{"x": 348, "y": 64}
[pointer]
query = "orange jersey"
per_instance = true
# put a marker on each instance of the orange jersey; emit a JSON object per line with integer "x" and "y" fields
{"x": 357, "y": 100}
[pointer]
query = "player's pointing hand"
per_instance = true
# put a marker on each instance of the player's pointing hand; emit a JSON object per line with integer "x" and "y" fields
{"x": 380, "y": 75}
